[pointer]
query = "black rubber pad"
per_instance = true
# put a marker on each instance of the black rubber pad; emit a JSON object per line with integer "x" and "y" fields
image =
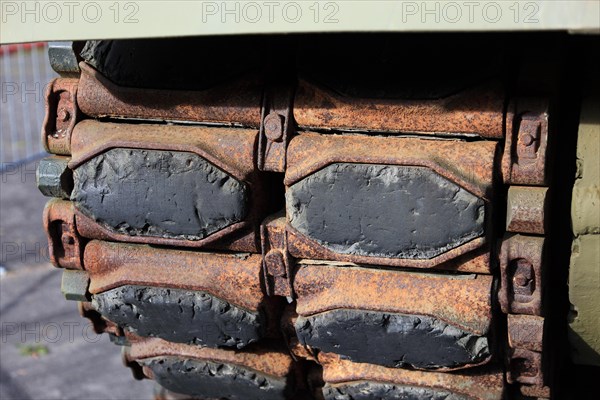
{"x": 384, "y": 210}
{"x": 385, "y": 391}
{"x": 204, "y": 379}
{"x": 391, "y": 340}
{"x": 180, "y": 316}
{"x": 162, "y": 63}
{"x": 166, "y": 194}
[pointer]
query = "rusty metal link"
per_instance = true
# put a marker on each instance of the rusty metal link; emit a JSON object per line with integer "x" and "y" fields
{"x": 453, "y": 166}
{"x": 483, "y": 384}
{"x": 462, "y": 300}
{"x": 526, "y": 347}
{"x": 235, "y": 103}
{"x": 65, "y": 245}
{"x": 231, "y": 150}
{"x": 219, "y": 296}
{"x": 526, "y": 332}
{"x": 525, "y": 367}
{"x": 522, "y": 263}
{"x": 276, "y": 259}
{"x": 526, "y": 145}
{"x": 349, "y": 302}
{"x": 277, "y": 125}
{"x": 265, "y": 371}
{"x": 526, "y": 209}
{"x": 535, "y": 392}
{"x": 269, "y": 360}
{"x": 62, "y": 113}
{"x": 233, "y": 277}
{"x": 474, "y": 112}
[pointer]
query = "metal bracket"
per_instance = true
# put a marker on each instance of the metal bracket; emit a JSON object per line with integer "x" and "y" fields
{"x": 526, "y": 332}
{"x": 525, "y": 366}
{"x": 527, "y": 209}
{"x": 276, "y": 259}
{"x": 61, "y": 116}
{"x": 521, "y": 264}
{"x": 526, "y": 147}
{"x": 65, "y": 246}
{"x": 277, "y": 125}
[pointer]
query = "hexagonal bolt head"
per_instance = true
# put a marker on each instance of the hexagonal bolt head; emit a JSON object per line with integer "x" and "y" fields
{"x": 64, "y": 57}
{"x": 54, "y": 177}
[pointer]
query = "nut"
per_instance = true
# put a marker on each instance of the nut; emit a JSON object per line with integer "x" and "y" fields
{"x": 274, "y": 127}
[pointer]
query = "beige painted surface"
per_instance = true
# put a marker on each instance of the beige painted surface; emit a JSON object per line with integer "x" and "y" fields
{"x": 584, "y": 273}
{"x": 586, "y": 193}
{"x": 584, "y": 293}
{"x": 27, "y": 21}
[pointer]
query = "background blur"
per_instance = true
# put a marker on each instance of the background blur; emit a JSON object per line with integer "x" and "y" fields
{"x": 47, "y": 351}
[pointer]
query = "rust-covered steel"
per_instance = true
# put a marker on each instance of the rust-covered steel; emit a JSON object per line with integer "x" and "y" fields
{"x": 521, "y": 275}
{"x": 233, "y": 103}
{"x": 526, "y": 209}
{"x": 481, "y": 384}
{"x": 464, "y": 301}
{"x": 391, "y": 318}
{"x": 231, "y": 150}
{"x": 65, "y": 245}
{"x": 62, "y": 113}
{"x": 213, "y": 300}
{"x": 478, "y": 261}
{"x": 526, "y": 145}
{"x": 277, "y": 264}
{"x": 277, "y": 126}
{"x": 539, "y": 392}
{"x": 470, "y": 164}
{"x": 525, "y": 367}
{"x": 466, "y": 167}
{"x": 525, "y": 350}
{"x": 234, "y": 277}
{"x": 266, "y": 360}
{"x": 475, "y": 112}
{"x": 526, "y": 331}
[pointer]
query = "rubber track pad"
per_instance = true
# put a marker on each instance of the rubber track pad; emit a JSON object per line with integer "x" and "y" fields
{"x": 180, "y": 316}
{"x": 392, "y": 340}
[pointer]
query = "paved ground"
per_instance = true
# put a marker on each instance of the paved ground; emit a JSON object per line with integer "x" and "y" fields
{"x": 47, "y": 351}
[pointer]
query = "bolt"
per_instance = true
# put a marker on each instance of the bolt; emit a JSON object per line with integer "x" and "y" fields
{"x": 274, "y": 127}
{"x": 521, "y": 280}
{"x": 64, "y": 115}
{"x": 528, "y": 140}
{"x": 67, "y": 239}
